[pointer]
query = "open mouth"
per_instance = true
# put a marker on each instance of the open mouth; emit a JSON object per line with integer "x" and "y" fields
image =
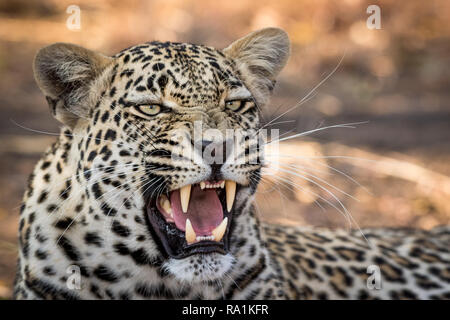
{"x": 194, "y": 219}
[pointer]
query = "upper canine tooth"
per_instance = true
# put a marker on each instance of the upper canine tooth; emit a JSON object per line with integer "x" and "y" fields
{"x": 202, "y": 185}
{"x": 168, "y": 208}
{"x": 165, "y": 204}
{"x": 222, "y": 184}
{"x": 185, "y": 193}
{"x": 219, "y": 231}
{"x": 162, "y": 199}
{"x": 230, "y": 187}
{"x": 190, "y": 233}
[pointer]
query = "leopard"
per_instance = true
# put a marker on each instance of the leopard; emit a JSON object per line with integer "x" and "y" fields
{"x": 142, "y": 197}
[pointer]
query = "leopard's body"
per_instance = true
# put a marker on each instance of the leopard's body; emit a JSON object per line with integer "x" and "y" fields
{"x": 84, "y": 209}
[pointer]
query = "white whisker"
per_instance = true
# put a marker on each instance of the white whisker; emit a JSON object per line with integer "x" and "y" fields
{"x": 345, "y": 125}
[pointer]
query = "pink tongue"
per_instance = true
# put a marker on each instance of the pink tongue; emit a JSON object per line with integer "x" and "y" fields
{"x": 204, "y": 211}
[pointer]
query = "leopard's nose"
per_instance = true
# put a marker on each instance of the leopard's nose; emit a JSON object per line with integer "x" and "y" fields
{"x": 215, "y": 154}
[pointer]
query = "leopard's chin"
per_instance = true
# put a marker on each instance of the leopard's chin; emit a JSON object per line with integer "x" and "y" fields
{"x": 193, "y": 220}
{"x": 200, "y": 268}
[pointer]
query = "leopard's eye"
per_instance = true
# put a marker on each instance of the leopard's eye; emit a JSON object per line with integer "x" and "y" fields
{"x": 148, "y": 109}
{"x": 234, "y": 104}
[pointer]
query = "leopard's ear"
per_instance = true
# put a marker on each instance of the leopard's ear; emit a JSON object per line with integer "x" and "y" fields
{"x": 66, "y": 74}
{"x": 259, "y": 57}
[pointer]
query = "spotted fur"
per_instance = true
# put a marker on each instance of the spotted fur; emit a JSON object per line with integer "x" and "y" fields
{"x": 85, "y": 201}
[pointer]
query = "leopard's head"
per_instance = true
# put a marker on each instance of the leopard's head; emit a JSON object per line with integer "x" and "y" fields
{"x": 164, "y": 142}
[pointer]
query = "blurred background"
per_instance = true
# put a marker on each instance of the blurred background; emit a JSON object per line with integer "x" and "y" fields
{"x": 393, "y": 170}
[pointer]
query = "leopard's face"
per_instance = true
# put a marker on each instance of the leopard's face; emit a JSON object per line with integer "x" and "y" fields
{"x": 168, "y": 149}
{"x": 160, "y": 110}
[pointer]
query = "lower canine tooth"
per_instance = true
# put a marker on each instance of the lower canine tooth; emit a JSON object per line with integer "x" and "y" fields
{"x": 185, "y": 193}
{"x": 190, "y": 233}
{"x": 230, "y": 188}
{"x": 219, "y": 231}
